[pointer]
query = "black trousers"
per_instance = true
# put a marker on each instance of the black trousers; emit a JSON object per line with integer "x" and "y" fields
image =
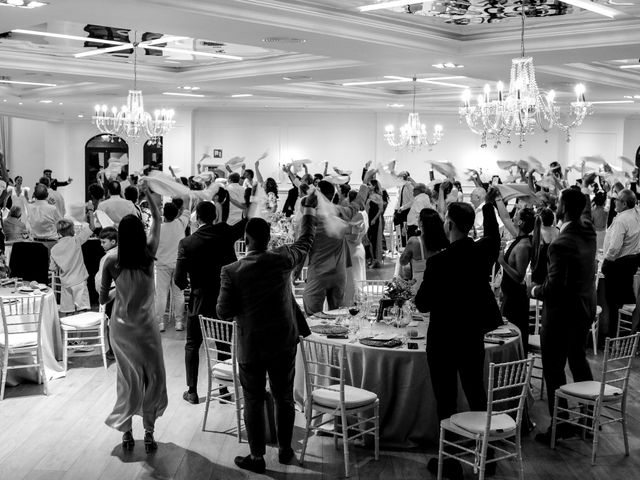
{"x": 412, "y": 231}
{"x": 618, "y": 280}
{"x": 446, "y": 362}
{"x": 563, "y": 341}
{"x": 281, "y": 370}
{"x": 192, "y": 349}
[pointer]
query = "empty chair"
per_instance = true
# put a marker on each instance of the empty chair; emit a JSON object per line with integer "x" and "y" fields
{"x": 498, "y": 428}
{"x": 599, "y": 402}
{"x": 30, "y": 261}
{"x": 82, "y": 330}
{"x": 326, "y": 393}
{"x": 21, "y": 336}
{"x": 221, "y": 374}
{"x": 373, "y": 289}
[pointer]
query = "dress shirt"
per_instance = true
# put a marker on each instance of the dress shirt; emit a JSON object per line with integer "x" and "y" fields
{"x": 98, "y": 277}
{"x": 170, "y": 235}
{"x": 420, "y": 202}
{"x": 236, "y": 192}
{"x": 43, "y": 218}
{"x": 623, "y": 235}
{"x": 67, "y": 255}
{"x": 117, "y": 208}
{"x": 58, "y": 201}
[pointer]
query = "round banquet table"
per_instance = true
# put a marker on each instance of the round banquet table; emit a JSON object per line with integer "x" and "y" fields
{"x": 401, "y": 379}
{"x": 51, "y": 341}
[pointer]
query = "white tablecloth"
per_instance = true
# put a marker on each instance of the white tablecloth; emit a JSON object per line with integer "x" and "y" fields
{"x": 51, "y": 341}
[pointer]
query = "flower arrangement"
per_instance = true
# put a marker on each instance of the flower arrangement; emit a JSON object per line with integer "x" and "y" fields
{"x": 399, "y": 290}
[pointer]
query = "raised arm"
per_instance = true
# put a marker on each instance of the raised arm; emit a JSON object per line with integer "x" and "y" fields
{"x": 297, "y": 252}
{"x": 154, "y": 235}
{"x": 504, "y": 216}
{"x": 258, "y": 174}
{"x": 326, "y": 169}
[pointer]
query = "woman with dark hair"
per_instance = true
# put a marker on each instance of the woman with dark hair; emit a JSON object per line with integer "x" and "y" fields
{"x": 270, "y": 189}
{"x": 221, "y": 201}
{"x": 599, "y": 216}
{"x": 375, "y": 210}
{"x": 135, "y": 337}
{"x": 419, "y": 249}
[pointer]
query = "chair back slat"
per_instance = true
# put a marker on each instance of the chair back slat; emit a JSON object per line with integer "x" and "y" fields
{"x": 508, "y": 386}
{"x": 372, "y": 288}
{"x": 324, "y": 365}
{"x": 616, "y": 363}
{"x": 214, "y": 333}
{"x": 240, "y": 248}
{"x": 21, "y": 315}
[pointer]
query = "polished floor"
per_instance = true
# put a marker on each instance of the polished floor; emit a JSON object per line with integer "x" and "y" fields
{"x": 62, "y": 436}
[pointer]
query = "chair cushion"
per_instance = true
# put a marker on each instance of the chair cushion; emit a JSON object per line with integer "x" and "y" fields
{"x": 82, "y": 320}
{"x": 475, "y": 422}
{"x": 628, "y": 308}
{"x": 590, "y": 389}
{"x": 534, "y": 341}
{"x": 353, "y": 397}
{"x": 223, "y": 371}
{"x": 18, "y": 340}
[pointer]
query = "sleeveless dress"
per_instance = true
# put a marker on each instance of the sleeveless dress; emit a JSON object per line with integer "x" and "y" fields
{"x": 418, "y": 267}
{"x": 135, "y": 339}
{"x": 515, "y": 301}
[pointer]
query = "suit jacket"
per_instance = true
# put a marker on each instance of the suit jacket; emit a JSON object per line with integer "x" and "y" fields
{"x": 256, "y": 292}
{"x": 290, "y": 203}
{"x": 456, "y": 289}
{"x": 201, "y": 256}
{"x": 569, "y": 292}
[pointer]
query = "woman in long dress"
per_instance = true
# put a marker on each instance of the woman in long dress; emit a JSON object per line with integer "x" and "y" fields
{"x": 375, "y": 210}
{"x": 135, "y": 338}
{"x": 358, "y": 270}
{"x": 20, "y": 197}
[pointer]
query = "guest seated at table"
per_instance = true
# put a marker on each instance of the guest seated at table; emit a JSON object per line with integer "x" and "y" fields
{"x": 43, "y": 217}
{"x": 66, "y": 257}
{"x": 419, "y": 249}
{"x": 463, "y": 308}
{"x": 14, "y": 228}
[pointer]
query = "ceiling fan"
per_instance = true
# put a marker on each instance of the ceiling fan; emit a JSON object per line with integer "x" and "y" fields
{"x": 584, "y": 4}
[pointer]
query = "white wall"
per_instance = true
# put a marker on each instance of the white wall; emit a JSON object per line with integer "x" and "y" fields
{"x": 26, "y": 153}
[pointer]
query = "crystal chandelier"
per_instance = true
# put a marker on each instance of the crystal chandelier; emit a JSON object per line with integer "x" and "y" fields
{"x": 524, "y": 109}
{"x": 413, "y": 134}
{"x": 132, "y": 120}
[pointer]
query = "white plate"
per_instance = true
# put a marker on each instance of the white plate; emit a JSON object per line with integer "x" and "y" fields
{"x": 25, "y": 289}
{"x": 419, "y": 337}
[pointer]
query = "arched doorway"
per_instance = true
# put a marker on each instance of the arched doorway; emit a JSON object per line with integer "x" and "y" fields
{"x": 152, "y": 154}
{"x": 98, "y": 152}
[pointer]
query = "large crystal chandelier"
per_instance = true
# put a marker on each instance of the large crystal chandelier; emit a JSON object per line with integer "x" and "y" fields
{"x": 524, "y": 109}
{"x": 413, "y": 134}
{"x": 132, "y": 120}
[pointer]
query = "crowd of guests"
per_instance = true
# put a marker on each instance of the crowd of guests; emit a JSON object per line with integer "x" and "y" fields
{"x": 542, "y": 242}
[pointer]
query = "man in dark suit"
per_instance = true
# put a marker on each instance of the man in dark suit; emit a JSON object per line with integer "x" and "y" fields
{"x": 455, "y": 341}
{"x": 256, "y": 291}
{"x": 569, "y": 297}
{"x": 201, "y": 256}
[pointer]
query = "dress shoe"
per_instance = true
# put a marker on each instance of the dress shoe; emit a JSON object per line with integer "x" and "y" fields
{"x": 562, "y": 431}
{"x": 110, "y": 356}
{"x": 285, "y": 456}
{"x": 191, "y": 397}
{"x": 179, "y": 326}
{"x": 451, "y": 468}
{"x": 248, "y": 463}
{"x": 161, "y": 326}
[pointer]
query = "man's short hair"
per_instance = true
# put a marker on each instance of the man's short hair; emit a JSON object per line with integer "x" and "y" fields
{"x": 45, "y": 181}
{"x": 114, "y": 188}
{"x": 345, "y": 188}
{"x": 327, "y": 189}
{"x": 46, "y": 170}
{"x": 573, "y": 202}
{"x": 170, "y": 211}
{"x": 178, "y": 202}
{"x": 404, "y": 175}
{"x": 528, "y": 218}
{"x": 628, "y": 197}
{"x": 15, "y": 211}
{"x": 248, "y": 173}
{"x": 462, "y": 215}
{"x": 420, "y": 188}
{"x": 65, "y": 228}
{"x": 260, "y": 231}
{"x": 131, "y": 193}
{"x": 40, "y": 192}
{"x": 96, "y": 191}
{"x": 234, "y": 177}
{"x": 317, "y": 176}
{"x": 206, "y": 212}
{"x": 109, "y": 233}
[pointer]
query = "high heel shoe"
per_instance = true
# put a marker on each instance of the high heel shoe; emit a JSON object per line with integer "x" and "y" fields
{"x": 150, "y": 445}
{"x": 127, "y": 441}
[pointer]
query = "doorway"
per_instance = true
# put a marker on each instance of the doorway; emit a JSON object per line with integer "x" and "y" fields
{"x": 98, "y": 152}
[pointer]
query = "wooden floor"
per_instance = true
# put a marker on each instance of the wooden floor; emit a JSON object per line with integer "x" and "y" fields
{"x": 63, "y": 436}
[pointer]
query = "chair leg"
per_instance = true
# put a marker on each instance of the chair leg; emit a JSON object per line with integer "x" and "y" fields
{"x": 596, "y": 432}
{"x": 483, "y": 458}
{"x": 440, "y": 453}
{"x": 65, "y": 349}
{"x": 45, "y": 380}
{"x": 519, "y": 455}
{"x": 238, "y": 418}
{"x": 554, "y": 422}
{"x": 345, "y": 442}
{"x": 307, "y": 413}
{"x": 623, "y": 414}
{"x": 103, "y": 347}
{"x": 3, "y": 380}
{"x": 594, "y": 337}
{"x": 206, "y": 407}
{"x": 376, "y": 438}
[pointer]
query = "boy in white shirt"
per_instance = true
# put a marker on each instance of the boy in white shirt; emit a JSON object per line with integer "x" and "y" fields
{"x": 174, "y": 223}
{"x": 66, "y": 256}
{"x": 109, "y": 243}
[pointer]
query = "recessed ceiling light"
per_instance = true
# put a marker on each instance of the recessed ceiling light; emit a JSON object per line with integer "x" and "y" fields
{"x": 19, "y": 103}
{"x": 4, "y": 99}
{"x": 600, "y": 102}
{"x": 46, "y": 101}
{"x": 21, "y": 3}
{"x": 395, "y": 105}
{"x": 80, "y": 115}
{"x": 178, "y": 94}
{"x": 240, "y": 95}
{"x": 60, "y": 103}
{"x": 283, "y": 40}
{"x": 38, "y": 84}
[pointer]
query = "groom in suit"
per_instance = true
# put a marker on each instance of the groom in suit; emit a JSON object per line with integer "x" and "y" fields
{"x": 256, "y": 292}
{"x": 569, "y": 296}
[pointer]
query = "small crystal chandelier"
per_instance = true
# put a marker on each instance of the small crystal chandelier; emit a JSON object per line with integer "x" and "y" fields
{"x": 413, "y": 134}
{"x": 132, "y": 120}
{"x": 524, "y": 109}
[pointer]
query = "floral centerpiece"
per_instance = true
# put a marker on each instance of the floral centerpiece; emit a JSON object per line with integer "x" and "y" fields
{"x": 282, "y": 231}
{"x": 399, "y": 290}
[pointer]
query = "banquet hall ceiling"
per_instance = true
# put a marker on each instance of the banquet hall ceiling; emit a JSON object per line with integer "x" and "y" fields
{"x": 303, "y": 54}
